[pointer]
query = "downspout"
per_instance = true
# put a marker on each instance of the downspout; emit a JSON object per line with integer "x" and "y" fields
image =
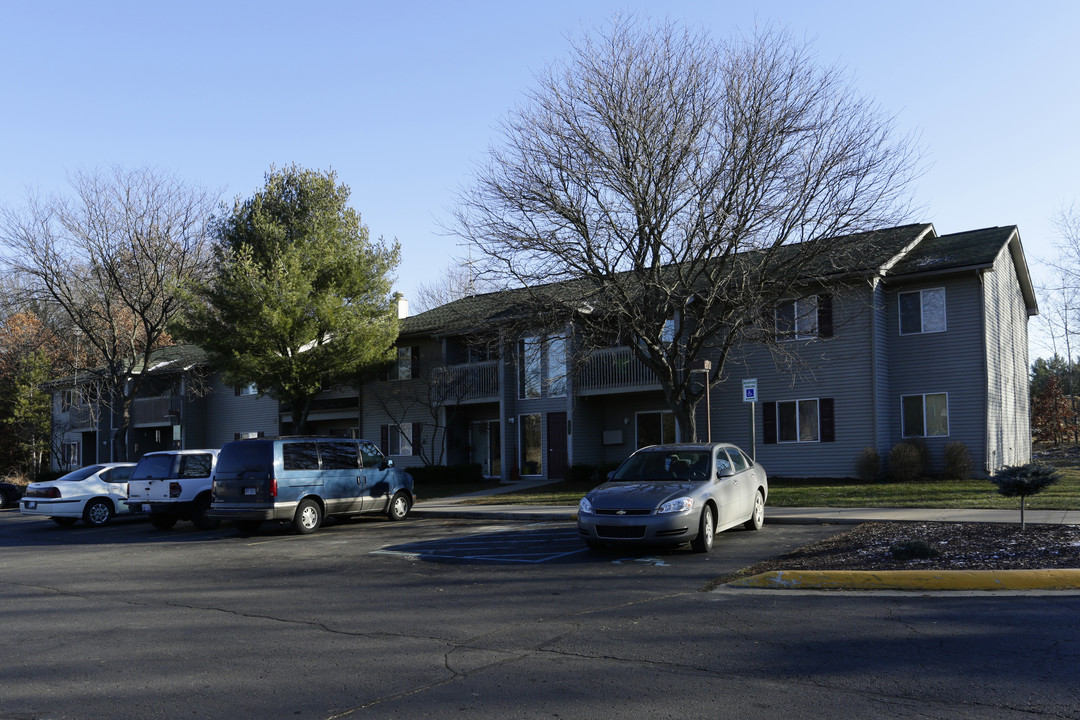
{"x": 875, "y": 425}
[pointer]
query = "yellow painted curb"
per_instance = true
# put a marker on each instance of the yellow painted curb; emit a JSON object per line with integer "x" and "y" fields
{"x": 913, "y": 580}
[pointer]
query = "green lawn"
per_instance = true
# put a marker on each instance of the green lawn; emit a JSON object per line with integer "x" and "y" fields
{"x": 783, "y": 492}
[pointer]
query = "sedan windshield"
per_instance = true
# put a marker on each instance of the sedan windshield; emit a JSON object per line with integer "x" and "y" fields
{"x": 657, "y": 465}
{"x": 80, "y": 474}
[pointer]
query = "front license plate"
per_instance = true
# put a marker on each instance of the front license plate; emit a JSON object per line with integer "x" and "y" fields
{"x": 146, "y": 507}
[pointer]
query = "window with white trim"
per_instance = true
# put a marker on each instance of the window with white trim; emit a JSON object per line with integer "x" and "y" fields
{"x": 925, "y": 415}
{"x": 922, "y": 311}
{"x": 797, "y": 319}
{"x": 542, "y": 367}
{"x": 398, "y": 439}
{"x": 797, "y": 421}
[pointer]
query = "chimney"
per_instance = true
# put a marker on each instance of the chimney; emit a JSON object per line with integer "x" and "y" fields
{"x": 402, "y": 306}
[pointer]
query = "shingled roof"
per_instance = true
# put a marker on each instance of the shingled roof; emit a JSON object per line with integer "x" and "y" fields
{"x": 970, "y": 250}
{"x": 876, "y": 249}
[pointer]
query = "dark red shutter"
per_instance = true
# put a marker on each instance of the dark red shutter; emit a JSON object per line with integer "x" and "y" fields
{"x": 768, "y": 424}
{"x": 384, "y": 439}
{"x": 417, "y": 429}
{"x": 828, "y": 425}
{"x": 415, "y": 362}
{"x": 824, "y": 316}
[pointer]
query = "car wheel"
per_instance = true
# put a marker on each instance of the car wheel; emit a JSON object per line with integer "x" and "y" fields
{"x": 4, "y": 502}
{"x": 757, "y": 519}
{"x": 248, "y": 526}
{"x": 162, "y": 521}
{"x": 202, "y": 506}
{"x": 399, "y": 506}
{"x": 706, "y": 530}
{"x": 64, "y": 521}
{"x": 97, "y": 513}
{"x": 308, "y": 517}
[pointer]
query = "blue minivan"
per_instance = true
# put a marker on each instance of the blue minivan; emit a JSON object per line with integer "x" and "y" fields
{"x": 304, "y": 480}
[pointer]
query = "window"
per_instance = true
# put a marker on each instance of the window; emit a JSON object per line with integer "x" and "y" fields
{"x": 804, "y": 319}
{"x": 532, "y": 444}
{"x": 655, "y": 428}
{"x": 799, "y": 421}
{"x": 71, "y": 454}
{"x": 556, "y": 367}
{"x": 370, "y": 455}
{"x": 300, "y": 456}
{"x": 195, "y": 466}
{"x": 925, "y": 415}
{"x": 922, "y": 311}
{"x": 531, "y": 352}
{"x": 245, "y": 390}
{"x": 339, "y": 455}
{"x": 403, "y": 439}
{"x": 407, "y": 364}
{"x": 542, "y": 367}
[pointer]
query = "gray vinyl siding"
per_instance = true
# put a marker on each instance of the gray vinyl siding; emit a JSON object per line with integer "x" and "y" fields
{"x": 838, "y": 368}
{"x": 950, "y": 362}
{"x": 1008, "y": 403}
{"x": 215, "y": 418}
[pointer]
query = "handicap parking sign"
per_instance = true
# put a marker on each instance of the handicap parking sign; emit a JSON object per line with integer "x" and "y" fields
{"x": 749, "y": 390}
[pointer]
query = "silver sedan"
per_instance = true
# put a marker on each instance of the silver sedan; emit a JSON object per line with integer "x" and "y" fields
{"x": 674, "y": 494}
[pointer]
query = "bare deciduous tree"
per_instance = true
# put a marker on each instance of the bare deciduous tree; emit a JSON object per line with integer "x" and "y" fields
{"x": 661, "y": 176}
{"x": 114, "y": 257}
{"x": 458, "y": 280}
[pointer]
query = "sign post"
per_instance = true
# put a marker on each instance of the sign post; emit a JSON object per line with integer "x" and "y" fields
{"x": 749, "y": 395}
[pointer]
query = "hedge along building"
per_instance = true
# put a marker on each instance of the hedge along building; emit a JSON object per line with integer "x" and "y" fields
{"x": 926, "y": 342}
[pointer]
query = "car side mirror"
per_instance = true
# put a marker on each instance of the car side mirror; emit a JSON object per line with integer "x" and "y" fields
{"x": 611, "y": 475}
{"x": 725, "y": 472}
{"x": 386, "y": 464}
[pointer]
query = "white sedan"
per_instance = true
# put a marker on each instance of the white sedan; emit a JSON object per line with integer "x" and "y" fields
{"x": 94, "y": 493}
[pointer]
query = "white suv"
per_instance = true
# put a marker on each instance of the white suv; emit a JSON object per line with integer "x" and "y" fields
{"x": 173, "y": 485}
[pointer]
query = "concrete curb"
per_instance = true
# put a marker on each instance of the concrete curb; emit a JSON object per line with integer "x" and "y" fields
{"x": 914, "y": 580}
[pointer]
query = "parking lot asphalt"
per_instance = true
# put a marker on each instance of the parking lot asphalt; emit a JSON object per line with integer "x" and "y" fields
{"x": 913, "y": 580}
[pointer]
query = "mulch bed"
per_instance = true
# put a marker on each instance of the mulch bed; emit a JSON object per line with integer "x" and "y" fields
{"x": 936, "y": 546}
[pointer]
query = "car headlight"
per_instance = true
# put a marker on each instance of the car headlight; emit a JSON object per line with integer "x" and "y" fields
{"x": 585, "y": 506}
{"x": 677, "y": 505}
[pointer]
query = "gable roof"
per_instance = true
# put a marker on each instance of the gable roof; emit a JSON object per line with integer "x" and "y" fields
{"x": 971, "y": 250}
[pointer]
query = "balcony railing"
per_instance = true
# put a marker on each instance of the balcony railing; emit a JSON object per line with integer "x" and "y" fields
{"x": 470, "y": 382}
{"x": 154, "y": 410}
{"x": 612, "y": 370}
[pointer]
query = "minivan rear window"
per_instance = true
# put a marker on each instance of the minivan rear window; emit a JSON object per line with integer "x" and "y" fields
{"x": 245, "y": 456}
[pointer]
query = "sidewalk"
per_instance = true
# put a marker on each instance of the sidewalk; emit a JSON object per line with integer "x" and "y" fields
{"x": 910, "y": 580}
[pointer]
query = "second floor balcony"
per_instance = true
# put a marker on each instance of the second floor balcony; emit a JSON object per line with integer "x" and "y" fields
{"x": 613, "y": 370}
{"x": 467, "y": 383}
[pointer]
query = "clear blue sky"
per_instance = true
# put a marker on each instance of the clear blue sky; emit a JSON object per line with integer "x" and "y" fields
{"x": 401, "y": 98}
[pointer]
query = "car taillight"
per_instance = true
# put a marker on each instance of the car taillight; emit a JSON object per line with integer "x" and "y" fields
{"x": 174, "y": 489}
{"x": 273, "y": 487}
{"x": 46, "y": 492}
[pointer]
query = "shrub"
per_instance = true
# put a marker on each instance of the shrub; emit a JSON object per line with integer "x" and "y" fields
{"x": 869, "y": 464}
{"x": 913, "y": 550}
{"x": 1023, "y": 480}
{"x": 958, "y": 464}
{"x": 906, "y": 461}
{"x": 447, "y": 474}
